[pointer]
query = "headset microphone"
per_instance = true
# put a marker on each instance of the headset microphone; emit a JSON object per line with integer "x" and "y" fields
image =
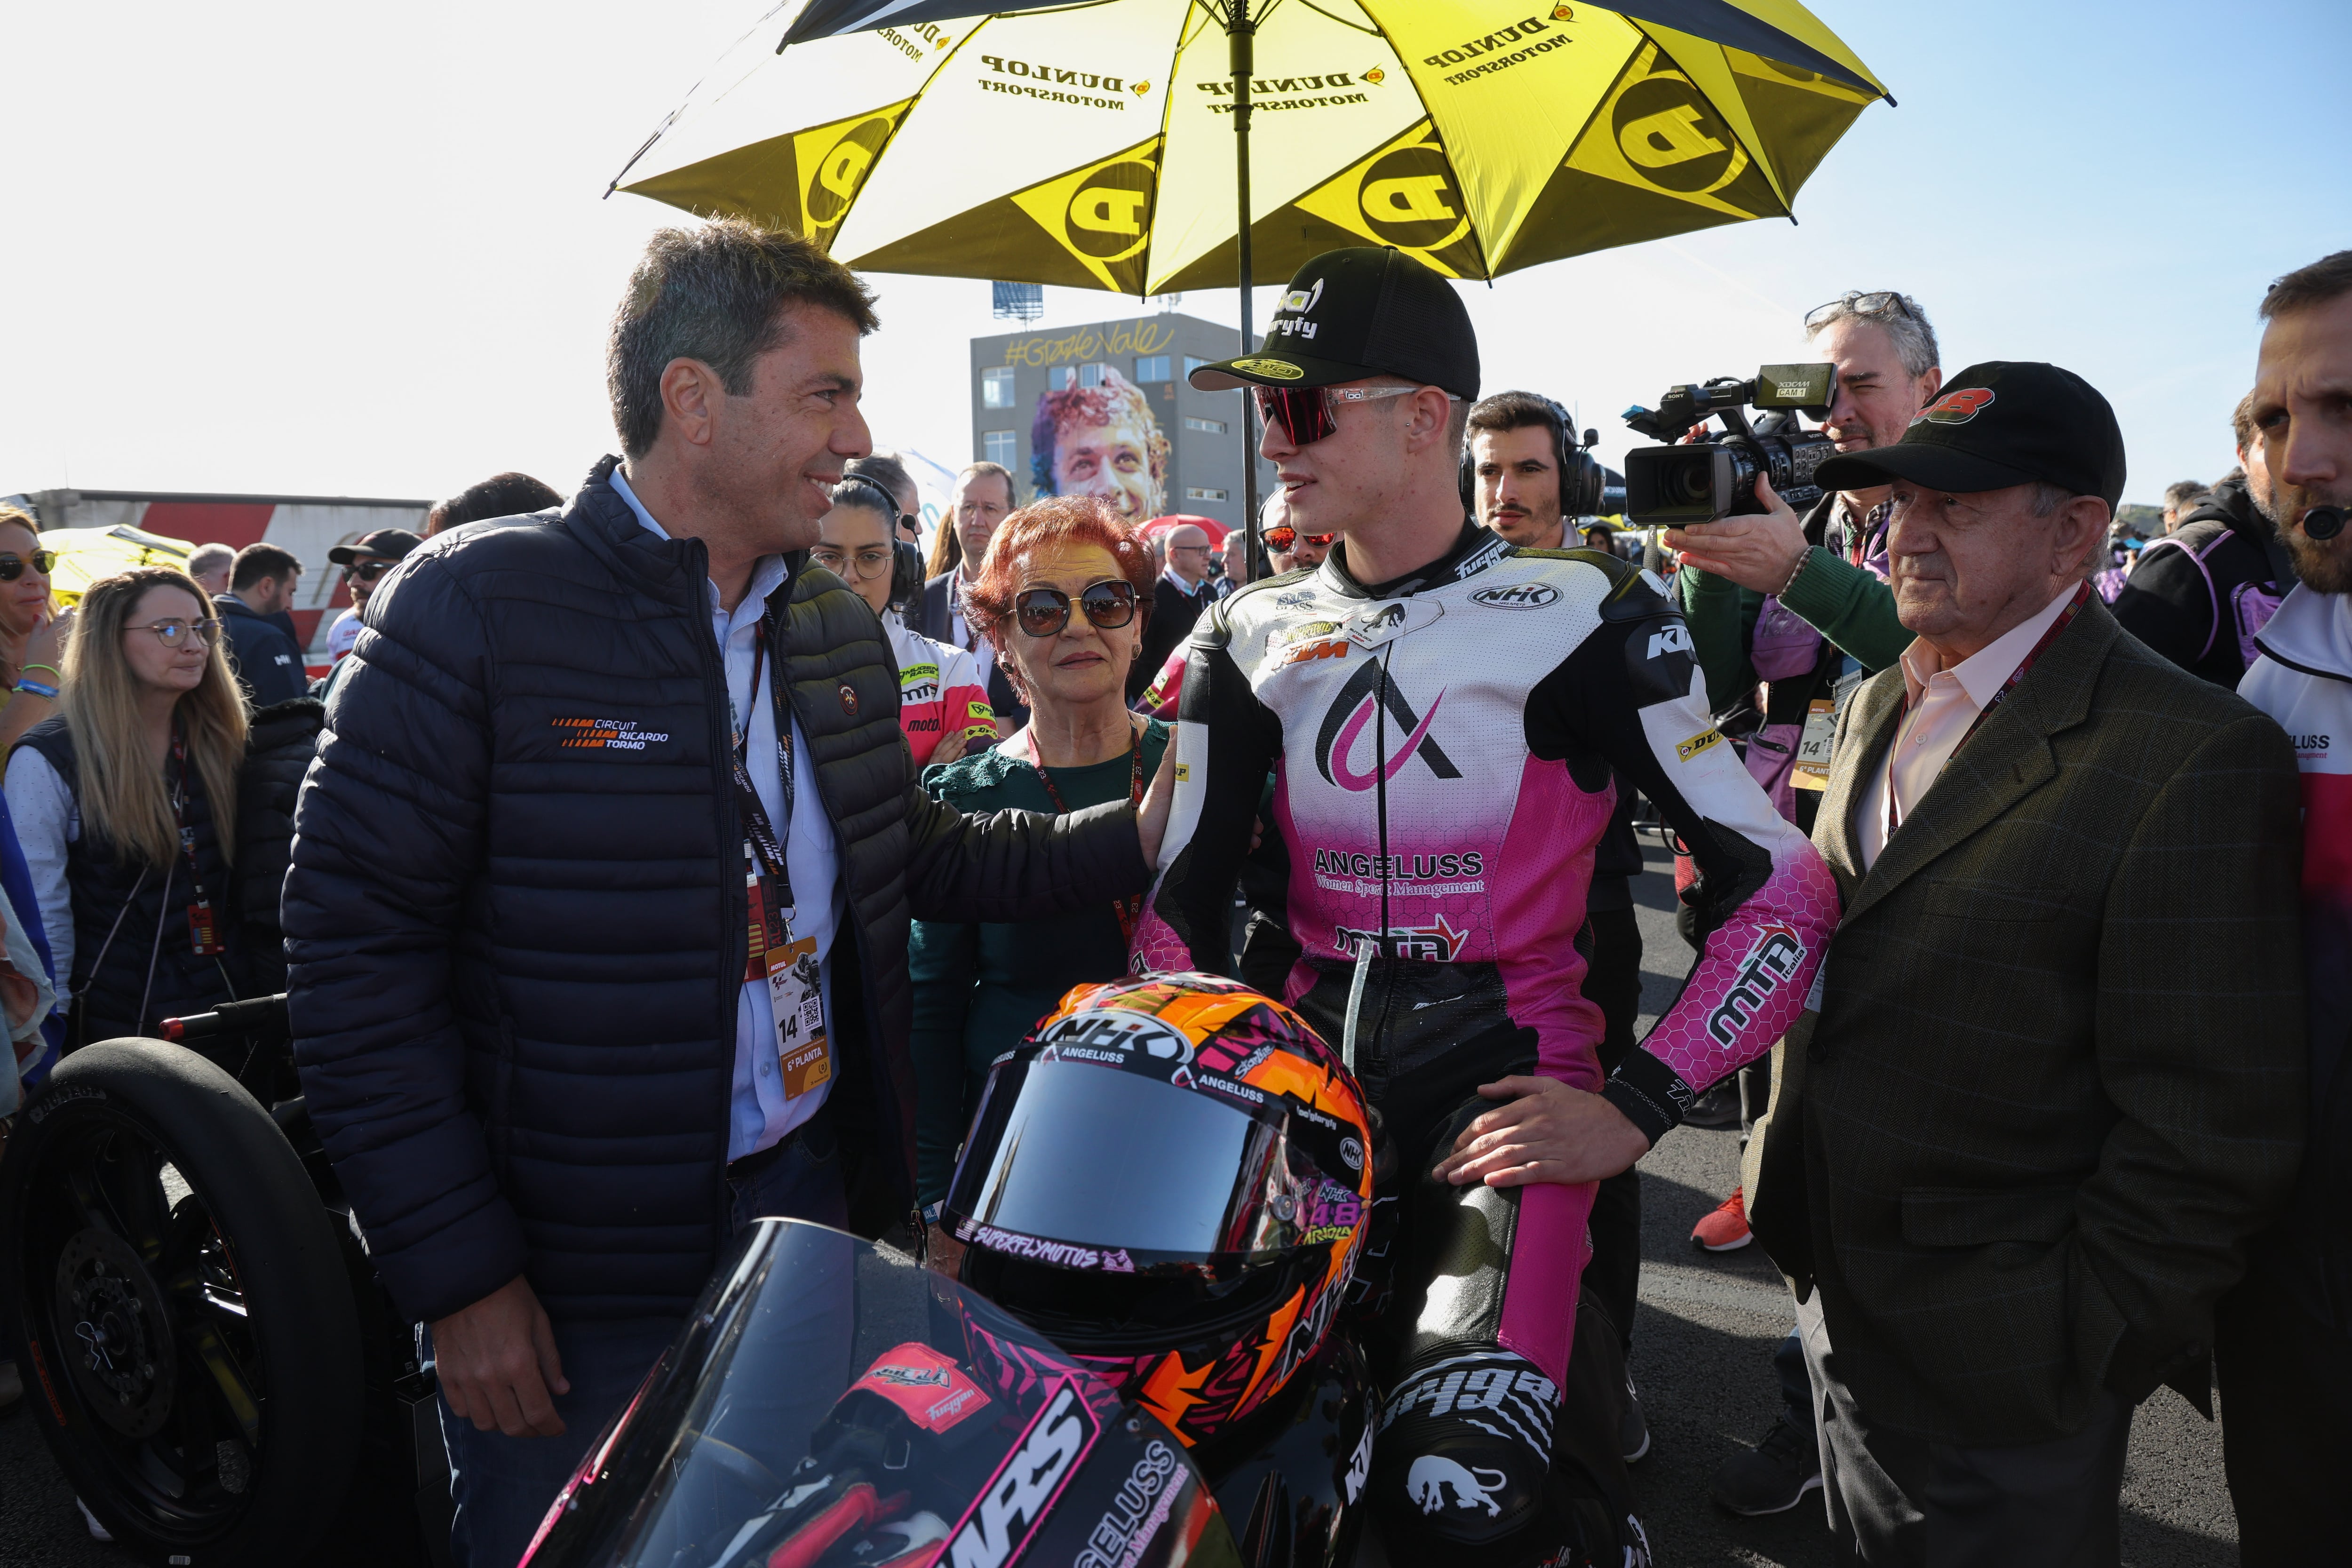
{"x": 2322, "y": 522}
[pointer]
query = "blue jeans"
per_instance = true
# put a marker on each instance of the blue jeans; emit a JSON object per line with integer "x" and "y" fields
{"x": 503, "y": 1486}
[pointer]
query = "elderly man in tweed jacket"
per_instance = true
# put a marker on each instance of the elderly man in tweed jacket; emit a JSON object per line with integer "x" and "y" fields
{"x": 2054, "y": 1081}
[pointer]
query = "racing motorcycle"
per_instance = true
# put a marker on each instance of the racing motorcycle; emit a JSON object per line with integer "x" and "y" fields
{"x": 202, "y": 1340}
{"x": 1163, "y": 1200}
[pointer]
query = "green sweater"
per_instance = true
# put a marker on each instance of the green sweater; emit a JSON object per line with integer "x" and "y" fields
{"x": 1846, "y": 604}
{"x": 979, "y": 987}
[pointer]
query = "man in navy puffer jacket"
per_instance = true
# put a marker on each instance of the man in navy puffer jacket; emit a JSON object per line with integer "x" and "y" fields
{"x": 533, "y": 1025}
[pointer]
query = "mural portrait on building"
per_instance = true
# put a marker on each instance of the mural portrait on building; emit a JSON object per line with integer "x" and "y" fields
{"x": 1101, "y": 441}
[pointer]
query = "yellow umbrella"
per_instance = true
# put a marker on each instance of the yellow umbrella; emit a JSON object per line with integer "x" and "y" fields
{"x": 1108, "y": 145}
{"x": 1094, "y": 145}
{"x": 86, "y": 554}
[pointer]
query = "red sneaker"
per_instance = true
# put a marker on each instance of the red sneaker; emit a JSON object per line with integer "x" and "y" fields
{"x": 1726, "y": 1229}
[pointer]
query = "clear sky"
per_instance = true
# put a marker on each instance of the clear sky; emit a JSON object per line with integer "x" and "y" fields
{"x": 352, "y": 250}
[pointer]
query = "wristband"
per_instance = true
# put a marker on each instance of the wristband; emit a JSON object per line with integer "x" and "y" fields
{"x": 1794, "y": 572}
{"x": 1650, "y": 1094}
{"x": 52, "y": 669}
{"x": 38, "y": 689}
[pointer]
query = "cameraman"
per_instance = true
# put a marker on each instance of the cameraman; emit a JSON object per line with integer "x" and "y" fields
{"x": 1828, "y": 569}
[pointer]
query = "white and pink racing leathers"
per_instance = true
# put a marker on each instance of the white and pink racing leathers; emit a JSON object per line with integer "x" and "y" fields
{"x": 939, "y": 693}
{"x": 1441, "y": 750}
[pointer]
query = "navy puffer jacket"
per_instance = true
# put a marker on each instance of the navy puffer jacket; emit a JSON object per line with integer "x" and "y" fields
{"x": 515, "y": 963}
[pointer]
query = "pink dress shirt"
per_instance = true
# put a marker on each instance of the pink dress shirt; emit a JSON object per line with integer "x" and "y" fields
{"x": 1941, "y": 705}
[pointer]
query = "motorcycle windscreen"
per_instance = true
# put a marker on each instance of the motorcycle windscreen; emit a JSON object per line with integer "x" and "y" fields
{"x": 829, "y": 1403}
{"x": 1096, "y": 1166}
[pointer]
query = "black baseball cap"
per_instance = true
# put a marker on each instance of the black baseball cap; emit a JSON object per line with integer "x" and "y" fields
{"x": 386, "y": 543}
{"x": 1363, "y": 311}
{"x": 1998, "y": 424}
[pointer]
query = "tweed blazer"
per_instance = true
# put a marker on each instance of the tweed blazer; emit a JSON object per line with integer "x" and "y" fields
{"x": 2056, "y": 1078}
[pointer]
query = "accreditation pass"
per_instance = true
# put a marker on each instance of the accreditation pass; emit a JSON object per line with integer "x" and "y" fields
{"x": 795, "y": 987}
{"x": 796, "y": 991}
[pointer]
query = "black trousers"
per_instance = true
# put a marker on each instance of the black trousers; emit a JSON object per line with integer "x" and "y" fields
{"x": 2286, "y": 1422}
{"x": 1612, "y": 1276}
{"x": 1898, "y": 1500}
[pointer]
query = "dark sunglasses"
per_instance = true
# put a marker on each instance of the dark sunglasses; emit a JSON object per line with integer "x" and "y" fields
{"x": 368, "y": 570}
{"x": 13, "y": 566}
{"x": 1043, "y": 611}
{"x": 1283, "y": 538}
{"x": 1310, "y": 414}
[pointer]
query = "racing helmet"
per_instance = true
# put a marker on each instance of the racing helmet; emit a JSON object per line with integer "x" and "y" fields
{"x": 1171, "y": 1179}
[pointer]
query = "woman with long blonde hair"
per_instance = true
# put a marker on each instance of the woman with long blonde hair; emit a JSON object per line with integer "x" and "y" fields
{"x": 126, "y": 804}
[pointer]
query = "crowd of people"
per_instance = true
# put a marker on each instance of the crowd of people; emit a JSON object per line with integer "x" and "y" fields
{"x": 684, "y": 853}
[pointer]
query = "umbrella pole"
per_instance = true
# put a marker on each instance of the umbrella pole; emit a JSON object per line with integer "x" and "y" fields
{"x": 1241, "y": 34}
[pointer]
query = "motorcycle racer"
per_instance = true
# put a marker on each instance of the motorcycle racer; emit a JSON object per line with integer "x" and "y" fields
{"x": 1441, "y": 711}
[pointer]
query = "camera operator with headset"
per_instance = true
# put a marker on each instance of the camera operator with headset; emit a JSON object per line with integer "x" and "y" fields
{"x": 1525, "y": 476}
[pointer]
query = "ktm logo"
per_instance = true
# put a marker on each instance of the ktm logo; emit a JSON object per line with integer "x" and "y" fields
{"x": 1959, "y": 407}
{"x": 1675, "y": 638}
{"x": 1306, "y": 651}
{"x": 1358, "y": 703}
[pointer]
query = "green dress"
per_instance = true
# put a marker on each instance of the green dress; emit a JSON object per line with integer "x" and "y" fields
{"x": 980, "y": 985}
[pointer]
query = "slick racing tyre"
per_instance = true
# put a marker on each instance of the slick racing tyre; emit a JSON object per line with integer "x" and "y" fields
{"x": 180, "y": 1314}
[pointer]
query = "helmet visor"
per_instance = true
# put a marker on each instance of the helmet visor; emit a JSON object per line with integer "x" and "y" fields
{"x": 1123, "y": 1169}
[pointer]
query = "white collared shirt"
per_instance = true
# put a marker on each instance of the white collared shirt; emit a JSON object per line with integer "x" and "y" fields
{"x": 757, "y": 1112}
{"x": 982, "y": 651}
{"x": 1942, "y": 703}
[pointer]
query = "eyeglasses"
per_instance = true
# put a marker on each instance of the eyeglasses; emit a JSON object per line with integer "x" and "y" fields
{"x": 1188, "y": 550}
{"x": 1043, "y": 611}
{"x": 871, "y": 561}
{"x": 368, "y": 570}
{"x": 1857, "y": 302}
{"x": 176, "y": 632}
{"x": 1311, "y": 413}
{"x": 1282, "y": 538}
{"x": 13, "y": 566}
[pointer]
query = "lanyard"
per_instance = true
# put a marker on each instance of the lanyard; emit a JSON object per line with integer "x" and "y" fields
{"x": 1873, "y": 532}
{"x": 1128, "y": 909}
{"x": 203, "y": 932}
{"x": 765, "y": 845}
{"x": 1893, "y": 815}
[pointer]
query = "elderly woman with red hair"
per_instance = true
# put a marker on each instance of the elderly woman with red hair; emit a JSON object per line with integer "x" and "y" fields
{"x": 1063, "y": 596}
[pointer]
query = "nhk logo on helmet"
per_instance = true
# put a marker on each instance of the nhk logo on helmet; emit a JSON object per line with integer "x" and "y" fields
{"x": 1345, "y": 721}
{"x": 1118, "y": 1029}
{"x": 1772, "y": 961}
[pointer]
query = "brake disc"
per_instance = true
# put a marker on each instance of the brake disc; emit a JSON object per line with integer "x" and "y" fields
{"x": 118, "y": 1335}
